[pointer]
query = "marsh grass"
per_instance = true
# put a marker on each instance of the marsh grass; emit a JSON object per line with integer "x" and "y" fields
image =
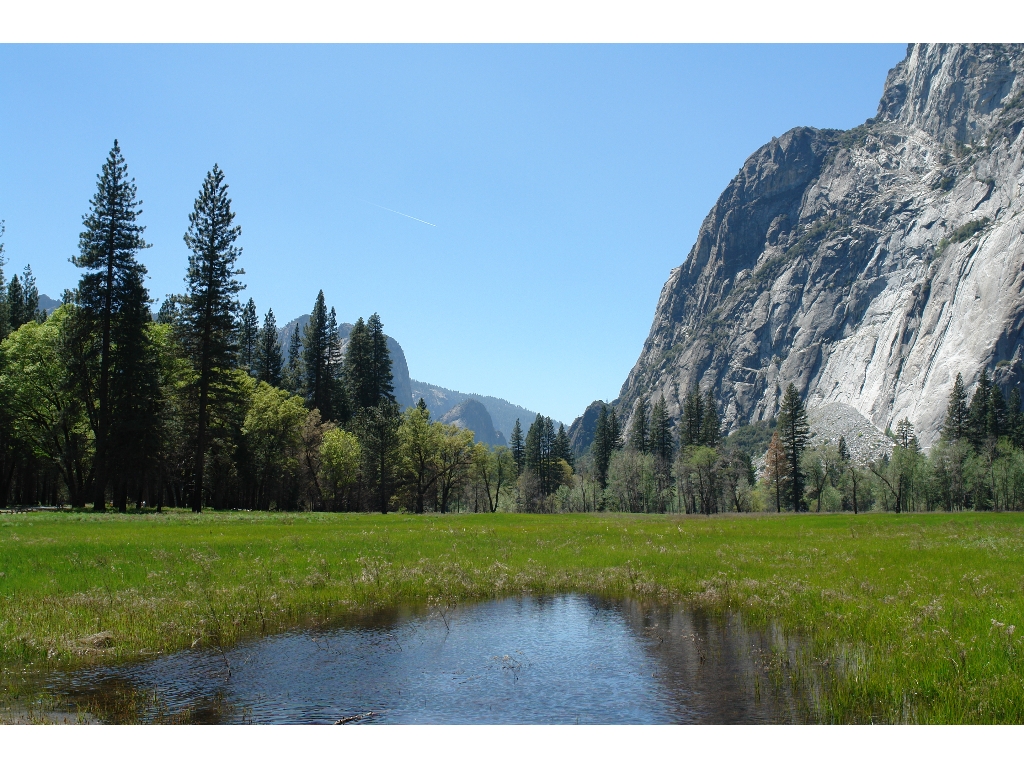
{"x": 909, "y": 618}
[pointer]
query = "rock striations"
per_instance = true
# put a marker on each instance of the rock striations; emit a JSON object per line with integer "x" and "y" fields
{"x": 868, "y": 266}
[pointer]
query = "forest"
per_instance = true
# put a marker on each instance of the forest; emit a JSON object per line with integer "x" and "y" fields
{"x": 105, "y": 403}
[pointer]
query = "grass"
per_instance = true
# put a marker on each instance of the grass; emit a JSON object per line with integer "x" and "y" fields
{"x": 903, "y": 618}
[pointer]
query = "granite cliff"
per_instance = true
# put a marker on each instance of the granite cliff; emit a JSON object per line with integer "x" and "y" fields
{"x": 866, "y": 266}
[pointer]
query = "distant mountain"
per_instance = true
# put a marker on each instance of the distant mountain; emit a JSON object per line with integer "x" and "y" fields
{"x": 472, "y": 415}
{"x": 503, "y": 413}
{"x": 47, "y": 304}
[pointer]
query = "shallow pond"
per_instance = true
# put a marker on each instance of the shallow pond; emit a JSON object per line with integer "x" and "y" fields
{"x": 554, "y": 659}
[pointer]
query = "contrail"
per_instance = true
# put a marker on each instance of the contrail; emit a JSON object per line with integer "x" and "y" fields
{"x": 402, "y": 214}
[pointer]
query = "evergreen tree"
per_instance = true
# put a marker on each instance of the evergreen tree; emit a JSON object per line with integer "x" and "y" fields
{"x": 335, "y": 367}
{"x": 639, "y": 430}
{"x": 693, "y": 418}
{"x": 377, "y": 428}
{"x": 248, "y": 338}
{"x": 22, "y": 300}
{"x": 602, "y": 446}
{"x": 905, "y": 436}
{"x": 549, "y": 478}
{"x": 293, "y": 367}
{"x": 1015, "y": 419}
{"x": 317, "y": 382}
{"x": 661, "y": 432}
{"x": 957, "y": 422}
{"x": 710, "y": 426}
{"x": 560, "y": 448}
{"x": 516, "y": 444}
{"x": 111, "y": 292}
{"x": 269, "y": 366}
{"x": 534, "y": 454}
{"x": 614, "y": 430}
{"x": 996, "y": 422}
{"x": 358, "y": 361}
{"x": 206, "y": 325}
{"x": 380, "y": 368}
{"x": 843, "y": 450}
{"x": 978, "y": 416}
{"x": 793, "y": 433}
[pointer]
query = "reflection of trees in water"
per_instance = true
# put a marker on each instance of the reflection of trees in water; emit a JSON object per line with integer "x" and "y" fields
{"x": 713, "y": 669}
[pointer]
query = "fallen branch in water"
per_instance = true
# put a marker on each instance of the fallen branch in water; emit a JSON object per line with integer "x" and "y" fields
{"x": 354, "y": 718}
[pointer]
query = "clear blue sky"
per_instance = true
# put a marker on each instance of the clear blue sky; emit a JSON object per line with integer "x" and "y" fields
{"x": 564, "y": 182}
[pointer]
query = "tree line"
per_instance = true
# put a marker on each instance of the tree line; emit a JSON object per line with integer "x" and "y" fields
{"x": 103, "y": 403}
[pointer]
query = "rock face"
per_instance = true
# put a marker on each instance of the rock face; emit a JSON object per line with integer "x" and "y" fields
{"x": 867, "y": 267}
{"x": 581, "y": 433}
{"x": 471, "y": 414}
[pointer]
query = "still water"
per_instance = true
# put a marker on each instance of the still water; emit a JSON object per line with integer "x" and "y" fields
{"x": 556, "y": 659}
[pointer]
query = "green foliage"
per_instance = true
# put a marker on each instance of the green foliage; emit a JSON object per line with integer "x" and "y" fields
{"x": 967, "y": 231}
{"x": 794, "y": 432}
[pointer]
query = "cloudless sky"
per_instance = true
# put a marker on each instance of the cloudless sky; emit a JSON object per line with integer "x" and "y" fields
{"x": 564, "y": 182}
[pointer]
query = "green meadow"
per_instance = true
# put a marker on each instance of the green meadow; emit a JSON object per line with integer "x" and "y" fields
{"x": 893, "y": 618}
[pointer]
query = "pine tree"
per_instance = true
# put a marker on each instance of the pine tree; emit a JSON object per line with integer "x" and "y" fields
{"x": 843, "y": 450}
{"x": 317, "y": 381}
{"x": 16, "y": 303}
{"x": 516, "y": 444}
{"x": 996, "y": 422}
{"x": 560, "y": 448}
{"x": 377, "y": 427}
{"x": 614, "y": 430}
{"x": 534, "y": 457}
{"x": 957, "y": 414}
{"x": 794, "y": 433}
{"x": 380, "y": 370}
{"x": 661, "y": 432}
{"x": 693, "y": 418}
{"x": 602, "y": 446}
{"x": 978, "y": 417}
{"x": 905, "y": 436}
{"x": 710, "y": 426}
{"x": 248, "y": 338}
{"x": 549, "y": 478}
{"x": 1015, "y": 419}
{"x": 206, "y": 326}
{"x": 358, "y": 361}
{"x": 335, "y": 371}
{"x": 269, "y": 366}
{"x": 639, "y": 430}
{"x": 293, "y": 367}
{"x": 111, "y": 289}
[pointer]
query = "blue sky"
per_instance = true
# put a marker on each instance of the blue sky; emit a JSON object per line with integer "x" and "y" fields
{"x": 564, "y": 182}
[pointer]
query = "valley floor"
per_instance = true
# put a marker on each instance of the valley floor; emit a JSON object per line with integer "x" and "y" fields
{"x": 899, "y": 618}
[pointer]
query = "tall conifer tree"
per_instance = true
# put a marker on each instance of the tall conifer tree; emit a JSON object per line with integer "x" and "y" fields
{"x": 517, "y": 446}
{"x": 602, "y": 446}
{"x": 794, "y": 433}
{"x": 1015, "y": 419}
{"x": 978, "y": 413}
{"x": 957, "y": 424}
{"x": 269, "y": 366}
{"x": 248, "y": 338}
{"x": 111, "y": 289}
{"x": 293, "y": 367}
{"x": 693, "y": 418}
{"x": 710, "y": 425}
{"x": 317, "y": 380}
{"x": 206, "y": 325}
{"x": 661, "y": 432}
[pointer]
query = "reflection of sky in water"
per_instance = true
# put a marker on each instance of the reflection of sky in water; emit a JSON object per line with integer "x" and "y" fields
{"x": 556, "y": 659}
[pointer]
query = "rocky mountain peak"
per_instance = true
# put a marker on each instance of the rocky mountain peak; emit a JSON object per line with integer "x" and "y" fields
{"x": 952, "y": 92}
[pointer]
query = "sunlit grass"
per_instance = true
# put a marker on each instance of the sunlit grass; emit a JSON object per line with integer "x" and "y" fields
{"x": 901, "y": 618}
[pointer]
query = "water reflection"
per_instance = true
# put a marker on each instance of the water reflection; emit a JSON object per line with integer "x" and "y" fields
{"x": 555, "y": 659}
